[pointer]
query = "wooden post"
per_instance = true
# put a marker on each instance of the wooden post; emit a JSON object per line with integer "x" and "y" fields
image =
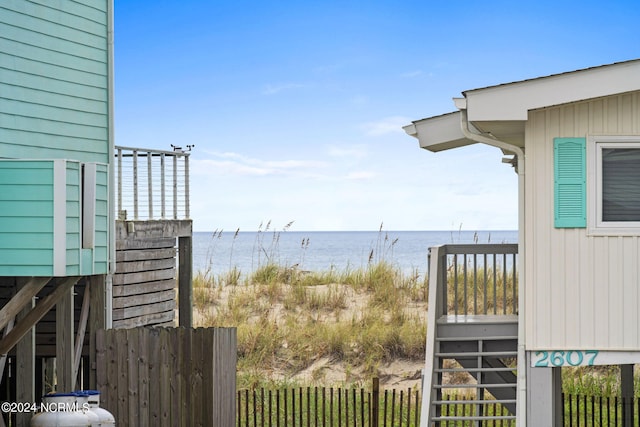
{"x": 98, "y": 318}
{"x": 82, "y": 326}
{"x": 375, "y": 402}
{"x": 25, "y": 363}
{"x": 185, "y": 287}
{"x": 64, "y": 342}
{"x": 626, "y": 388}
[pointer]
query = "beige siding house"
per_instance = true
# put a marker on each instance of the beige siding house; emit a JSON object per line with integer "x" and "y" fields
{"x": 582, "y": 283}
{"x": 574, "y": 141}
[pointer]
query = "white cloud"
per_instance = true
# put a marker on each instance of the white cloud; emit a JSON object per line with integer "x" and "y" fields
{"x": 360, "y": 175}
{"x": 272, "y": 89}
{"x": 411, "y": 74}
{"x": 226, "y": 167}
{"x": 229, "y": 163}
{"x": 386, "y": 125}
{"x": 353, "y": 151}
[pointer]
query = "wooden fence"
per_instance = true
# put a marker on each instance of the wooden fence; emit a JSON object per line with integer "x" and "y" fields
{"x": 588, "y": 411}
{"x": 168, "y": 376}
{"x": 321, "y": 406}
{"x": 352, "y": 407}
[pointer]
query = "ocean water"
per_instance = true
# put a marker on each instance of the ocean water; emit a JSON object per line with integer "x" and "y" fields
{"x": 323, "y": 250}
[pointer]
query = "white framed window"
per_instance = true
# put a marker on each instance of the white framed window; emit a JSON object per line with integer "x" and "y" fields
{"x": 613, "y": 182}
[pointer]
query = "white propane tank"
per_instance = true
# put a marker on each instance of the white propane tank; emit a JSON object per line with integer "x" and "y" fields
{"x": 105, "y": 418}
{"x": 83, "y": 402}
{"x": 61, "y": 410}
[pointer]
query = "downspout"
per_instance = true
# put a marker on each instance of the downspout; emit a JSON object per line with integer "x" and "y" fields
{"x": 521, "y": 405}
{"x": 111, "y": 268}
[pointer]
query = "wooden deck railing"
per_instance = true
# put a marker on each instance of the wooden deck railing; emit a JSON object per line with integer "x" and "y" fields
{"x": 475, "y": 279}
{"x": 151, "y": 184}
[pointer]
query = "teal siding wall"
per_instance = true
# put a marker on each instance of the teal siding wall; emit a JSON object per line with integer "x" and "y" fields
{"x": 41, "y": 225}
{"x": 100, "y": 255}
{"x": 54, "y": 104}
{"x": 94, "y": 259}
{"x": 26, "y": 218}
{"x": 73, "y": 220}
{"x": 54, "y": 80}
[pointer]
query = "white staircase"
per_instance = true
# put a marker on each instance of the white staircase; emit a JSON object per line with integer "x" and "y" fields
{"x": 472, "y": 340}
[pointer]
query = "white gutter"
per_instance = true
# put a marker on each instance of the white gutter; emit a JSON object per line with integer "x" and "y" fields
{"x": 490, "y": 140}
{"x": 521, "y": 401}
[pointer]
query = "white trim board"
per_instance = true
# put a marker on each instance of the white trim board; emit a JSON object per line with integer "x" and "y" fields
{"x": 59, "y": 217}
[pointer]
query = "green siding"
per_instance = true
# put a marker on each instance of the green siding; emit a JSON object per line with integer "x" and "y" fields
{"x": 54, "y": 80}
{"x": 35, "y": 176}
{"x": 570, "y": 192}
{"x": 86, "y": 264}
{"x": 68, "y": 102}
{"x": 54, "y": 104}
{"x": 46, "y": 146}
{"x": 90, "y": 9}
{"x": 23, "y": 239}
{"x": 73, "y": 218}
{"x": 27, "y": 270}
{"x": 19, "y": 110}
{"x": 73, "y": 262}
{"x": 73, "y": 208}
{"x": 21, "y": 192}
{"x": 27, "y": 197}
{"x": 24, "y": 257}
{"x": 35, "y": 224}
{"x": 39, "y": 83}
{"x": 100, "y": 251}
{"x": 48, "y": 126}
{"x": 26, "y": 217}
{"x": 26, "y": 209}
{"x": 63, "y": 22}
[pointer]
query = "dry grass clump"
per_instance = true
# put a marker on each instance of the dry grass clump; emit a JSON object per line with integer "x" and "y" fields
{"x": 288, "y": 319}
{"x": 596, "y": 380}
{"x": 476, "y": 292}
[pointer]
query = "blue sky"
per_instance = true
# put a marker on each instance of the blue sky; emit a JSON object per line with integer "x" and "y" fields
{"x": 295, "y": 108}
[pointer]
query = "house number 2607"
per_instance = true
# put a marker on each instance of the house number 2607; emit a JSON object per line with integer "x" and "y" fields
{"x": 565, "y": 358}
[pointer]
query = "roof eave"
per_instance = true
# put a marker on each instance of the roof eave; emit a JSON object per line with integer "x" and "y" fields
{"x": 438, "y": 133}
{"x": 501, "y": 111}
{"x": 513, "y": 101}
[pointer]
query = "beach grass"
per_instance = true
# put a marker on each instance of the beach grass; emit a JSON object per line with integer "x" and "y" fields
{"x": 289, "y": 320}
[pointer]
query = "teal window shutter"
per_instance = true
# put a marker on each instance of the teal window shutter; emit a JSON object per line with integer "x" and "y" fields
{"x": 570, "y": 183}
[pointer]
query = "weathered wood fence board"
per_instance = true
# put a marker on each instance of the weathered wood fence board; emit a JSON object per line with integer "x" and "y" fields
{"x": 145, "y": 282}
{"x": 143, "y": 288}
{"x": 168, "y": 376}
